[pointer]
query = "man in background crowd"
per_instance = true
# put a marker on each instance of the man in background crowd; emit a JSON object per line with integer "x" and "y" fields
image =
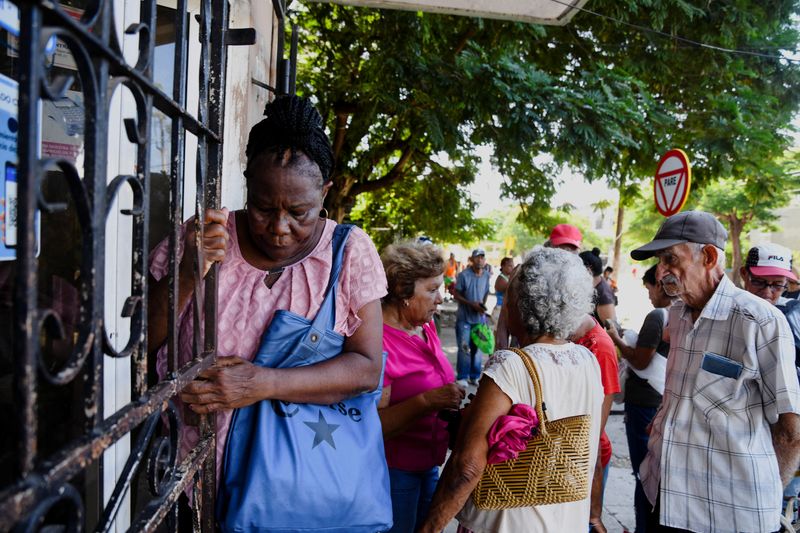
{"x": 643, "y": 393}
{"x": 471, "y": 290}
{"x": 451, "y": 268}
{"x": 767, "y": 272}
{"x": 501, "y": 285}
{"x": 793, "y": 292}
{"x": 607, "y": 275}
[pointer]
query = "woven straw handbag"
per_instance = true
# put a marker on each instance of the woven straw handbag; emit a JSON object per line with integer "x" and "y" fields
{"x": 553, "y": 468}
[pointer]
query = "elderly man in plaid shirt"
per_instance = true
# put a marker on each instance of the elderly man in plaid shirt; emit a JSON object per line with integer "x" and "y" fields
{"x": 726, "y": 438}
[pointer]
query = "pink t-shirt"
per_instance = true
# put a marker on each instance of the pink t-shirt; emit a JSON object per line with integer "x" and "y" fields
{"x": 246, "y": 305}
{"x": 414, "y": 366}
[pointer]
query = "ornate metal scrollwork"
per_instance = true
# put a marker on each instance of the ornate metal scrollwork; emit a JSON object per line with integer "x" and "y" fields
{"x": 163, "y": 455}
{"x": 64, "y": 499}
{"x": 46, "y": 490}
{"x": 160, "y": 462}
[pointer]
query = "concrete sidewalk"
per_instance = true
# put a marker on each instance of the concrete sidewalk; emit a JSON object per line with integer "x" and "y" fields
{"x": 618, "y": 515}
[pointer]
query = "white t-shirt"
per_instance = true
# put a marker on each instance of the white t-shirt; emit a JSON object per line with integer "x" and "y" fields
{"x": 571, "y": 385}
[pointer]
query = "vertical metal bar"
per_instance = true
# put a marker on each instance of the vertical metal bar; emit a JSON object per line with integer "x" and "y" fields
{"x": 278, "y": 7}
{"x": 201, "y": 172}
{"x": 176, "y": 180}
{"x": 25, "y": 344}
{"x": 141, "y": 234}
{"x": 293, "y": 61}
{"x": 95, "y": 178}
{"x": 217, "y": 72}
{"x": 216, "y": 117}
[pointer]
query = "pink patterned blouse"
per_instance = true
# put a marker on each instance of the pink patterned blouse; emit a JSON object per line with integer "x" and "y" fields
{"x": 246, "y": 305}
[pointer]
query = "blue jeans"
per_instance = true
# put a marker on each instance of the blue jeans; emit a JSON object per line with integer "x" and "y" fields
{"x": 468, "y": 362}
{"x": 636, "y": 420}
{"x": 411, "y": 497}
{"x": 605, "y": 480}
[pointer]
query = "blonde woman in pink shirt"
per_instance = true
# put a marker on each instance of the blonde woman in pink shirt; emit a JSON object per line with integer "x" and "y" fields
{"x": 418, "y": 381}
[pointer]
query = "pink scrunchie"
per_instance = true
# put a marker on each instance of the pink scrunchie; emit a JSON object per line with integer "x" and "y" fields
{"x": 510, "y": 433}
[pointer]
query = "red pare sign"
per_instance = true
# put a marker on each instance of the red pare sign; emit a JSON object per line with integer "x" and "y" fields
{"x": 672, "y": 183}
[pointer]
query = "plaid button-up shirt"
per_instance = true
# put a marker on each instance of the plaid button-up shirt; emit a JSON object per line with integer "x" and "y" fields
{"x": 710, "y": 449}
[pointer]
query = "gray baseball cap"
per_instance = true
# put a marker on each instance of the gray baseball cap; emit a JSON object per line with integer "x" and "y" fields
{"x": 688, "y": 226}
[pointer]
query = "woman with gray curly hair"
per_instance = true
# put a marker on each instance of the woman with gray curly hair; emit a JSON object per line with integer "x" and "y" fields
{"x": 418, "y": 380}
{"x": 547, "y": 300}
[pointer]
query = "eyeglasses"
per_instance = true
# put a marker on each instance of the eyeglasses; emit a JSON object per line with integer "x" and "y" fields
{"x": 759, "y": 284}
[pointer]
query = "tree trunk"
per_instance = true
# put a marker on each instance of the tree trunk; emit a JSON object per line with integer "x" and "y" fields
{"x": 337, "y": 211}
{"x": 618, "y": 239}
{"x": 342, "y": 196}
{"x": 736, "y": 226}
{"x": 338, "y": 202}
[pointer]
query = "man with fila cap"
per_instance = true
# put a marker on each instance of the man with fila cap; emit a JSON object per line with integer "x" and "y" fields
{"x": 726, "y": 438}
{"x": 767, "y": 271}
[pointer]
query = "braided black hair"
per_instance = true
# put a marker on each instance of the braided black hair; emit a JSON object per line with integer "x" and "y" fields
{"x": 293, "y": 124}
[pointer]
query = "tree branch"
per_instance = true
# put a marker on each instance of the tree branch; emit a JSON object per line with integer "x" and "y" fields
{"x": 387, "y": 179}
{"x": 462, "y": 43}
{"x": 383, "y": 151}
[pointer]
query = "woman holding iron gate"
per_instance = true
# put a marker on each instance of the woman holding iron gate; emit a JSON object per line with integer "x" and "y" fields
{"x": 296, "y": 386}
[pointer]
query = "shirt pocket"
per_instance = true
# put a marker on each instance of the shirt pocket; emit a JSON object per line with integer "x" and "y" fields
{"x": 718, "y": 384}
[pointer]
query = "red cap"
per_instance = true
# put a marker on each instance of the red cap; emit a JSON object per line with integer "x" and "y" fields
{"x": 566, "y": 234}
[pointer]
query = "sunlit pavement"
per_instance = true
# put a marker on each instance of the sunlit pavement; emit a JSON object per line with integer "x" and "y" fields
{"x": 618, "y": 515}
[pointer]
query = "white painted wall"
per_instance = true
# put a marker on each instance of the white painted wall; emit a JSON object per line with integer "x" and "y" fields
{"x": 118, "y": 257}
{"x": 245, "y": 101}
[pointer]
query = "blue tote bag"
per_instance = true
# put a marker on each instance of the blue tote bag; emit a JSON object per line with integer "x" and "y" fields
{"x": 306, "y": 467}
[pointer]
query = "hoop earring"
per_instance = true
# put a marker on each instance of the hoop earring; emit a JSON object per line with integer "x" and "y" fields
{"x": 405, "y": 303}
{"x": 323, "y": 213}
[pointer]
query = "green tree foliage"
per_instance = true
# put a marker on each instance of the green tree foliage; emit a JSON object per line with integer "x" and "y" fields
{"x": 408, "y": 96}
{"x": 508, "y": 225}
{"x": 421, "y": 206}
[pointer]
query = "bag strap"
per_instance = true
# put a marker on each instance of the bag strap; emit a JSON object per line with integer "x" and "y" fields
{"x": 326, "y": 316}
{"x": 537, "y": 387}
{"x": 338, "y": 241}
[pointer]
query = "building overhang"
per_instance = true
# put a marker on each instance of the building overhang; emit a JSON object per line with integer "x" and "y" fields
{"x": 549, "y": 12}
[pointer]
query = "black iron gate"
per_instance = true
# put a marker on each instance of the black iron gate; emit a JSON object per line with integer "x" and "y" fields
{"x": 45, "y": 483}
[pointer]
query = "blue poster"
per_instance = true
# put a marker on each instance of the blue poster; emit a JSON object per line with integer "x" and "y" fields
{"x": 8, "y": 171}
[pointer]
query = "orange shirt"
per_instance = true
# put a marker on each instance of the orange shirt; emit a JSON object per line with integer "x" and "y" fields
{"x": 451, "y": 268}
